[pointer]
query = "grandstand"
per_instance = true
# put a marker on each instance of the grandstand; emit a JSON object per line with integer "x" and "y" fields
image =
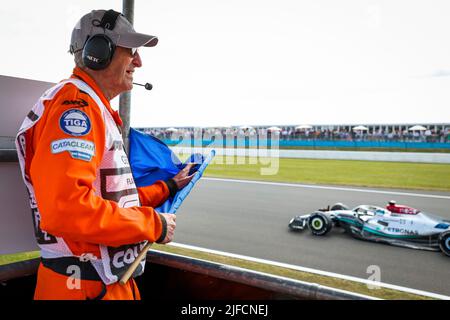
{"x": 398, "y": 136}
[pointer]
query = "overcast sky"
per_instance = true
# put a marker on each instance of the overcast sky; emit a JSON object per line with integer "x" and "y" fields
{"x": 236, "y": 62}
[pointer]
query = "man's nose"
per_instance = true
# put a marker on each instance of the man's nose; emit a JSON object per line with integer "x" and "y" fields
{"x": 137, "y": 62}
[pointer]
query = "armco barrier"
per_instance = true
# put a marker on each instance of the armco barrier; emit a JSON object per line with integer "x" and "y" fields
{"x": 325, "y": 154}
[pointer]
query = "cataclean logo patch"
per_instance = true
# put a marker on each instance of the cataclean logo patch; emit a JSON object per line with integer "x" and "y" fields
{"x": 78, "y": 149}
{"x": 75, "y": 122}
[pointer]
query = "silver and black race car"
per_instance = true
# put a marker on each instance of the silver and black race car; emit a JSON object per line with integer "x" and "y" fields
{"x": 396, "y": 225}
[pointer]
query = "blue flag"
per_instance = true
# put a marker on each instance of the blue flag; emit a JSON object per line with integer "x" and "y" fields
{"x": 152, "y": 160}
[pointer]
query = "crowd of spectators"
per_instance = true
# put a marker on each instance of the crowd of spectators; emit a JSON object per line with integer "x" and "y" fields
{"x": 429, "y": 135}
{"x": 330, "y": 133}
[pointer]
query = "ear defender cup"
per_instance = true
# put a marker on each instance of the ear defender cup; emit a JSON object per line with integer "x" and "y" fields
{"x": 98, "y": 52}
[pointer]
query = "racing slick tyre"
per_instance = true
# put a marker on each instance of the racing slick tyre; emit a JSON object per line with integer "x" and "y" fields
{"x": 319, "y": 224}
{"x": 339, "y": 206}
{"x": 444, "y": 242}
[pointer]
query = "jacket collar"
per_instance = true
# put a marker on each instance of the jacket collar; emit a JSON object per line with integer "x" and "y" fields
{"x": 82, "y": 75}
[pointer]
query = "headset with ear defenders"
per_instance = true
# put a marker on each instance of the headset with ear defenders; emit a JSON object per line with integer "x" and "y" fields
{"x": 99, "y": 48}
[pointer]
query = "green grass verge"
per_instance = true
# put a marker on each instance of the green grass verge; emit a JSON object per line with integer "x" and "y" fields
{"x": 16, "y": 257}
{"x": 401, "y": 175}
{"x": 337, "y": 283}
{"x": 347, "y": 285}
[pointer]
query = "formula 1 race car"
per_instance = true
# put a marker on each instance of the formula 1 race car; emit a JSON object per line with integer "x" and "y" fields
{"x": 396, "y": 225}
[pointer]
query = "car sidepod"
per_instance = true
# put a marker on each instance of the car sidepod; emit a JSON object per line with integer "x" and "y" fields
{"x": 416, "y": 232}
{"x": 349, "y": 221}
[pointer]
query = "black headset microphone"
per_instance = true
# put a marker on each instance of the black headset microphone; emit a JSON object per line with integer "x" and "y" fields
{"x": 147, "y": 86}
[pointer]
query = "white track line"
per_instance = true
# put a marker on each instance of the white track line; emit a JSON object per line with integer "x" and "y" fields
{"x": 331, "y": 188}
{"x": 315, "y": 271}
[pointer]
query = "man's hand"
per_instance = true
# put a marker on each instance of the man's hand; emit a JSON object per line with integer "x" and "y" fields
{"x": 171, "y": 224}
{"x": 182, "y": 178}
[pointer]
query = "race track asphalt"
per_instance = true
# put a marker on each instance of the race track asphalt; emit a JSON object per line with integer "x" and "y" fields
{"x": 251, "y": 219}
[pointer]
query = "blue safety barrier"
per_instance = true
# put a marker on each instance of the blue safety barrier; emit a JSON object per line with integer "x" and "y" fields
{"x": 245, "y": 143}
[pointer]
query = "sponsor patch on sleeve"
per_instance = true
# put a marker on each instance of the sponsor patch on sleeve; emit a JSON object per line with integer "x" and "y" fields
{"x": 78, "y": 148}
{"x": 79, "y": 102}
{"x": 75, "y": 122}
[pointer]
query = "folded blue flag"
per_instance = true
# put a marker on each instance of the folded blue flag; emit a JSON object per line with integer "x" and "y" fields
{"x": 152, "y": 160}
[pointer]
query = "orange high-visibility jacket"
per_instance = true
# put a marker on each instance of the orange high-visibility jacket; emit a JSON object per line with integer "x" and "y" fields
{"x": 62, "y": 157}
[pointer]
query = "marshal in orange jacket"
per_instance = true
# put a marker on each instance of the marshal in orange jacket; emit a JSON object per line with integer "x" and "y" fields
{"x": 64, "y": 186}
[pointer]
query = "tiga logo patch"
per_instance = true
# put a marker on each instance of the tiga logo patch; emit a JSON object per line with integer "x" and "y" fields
{"x": 80, "y": 102}
{"x": 78, "y": 148}
{"x": 75, "y": 122}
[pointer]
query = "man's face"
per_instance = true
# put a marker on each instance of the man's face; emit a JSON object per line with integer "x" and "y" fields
{"x": 119, "y": 74}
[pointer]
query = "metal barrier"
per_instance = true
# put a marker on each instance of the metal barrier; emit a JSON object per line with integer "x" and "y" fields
{"x": 288, "y": 287}
{"x": 418, "y": 157}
